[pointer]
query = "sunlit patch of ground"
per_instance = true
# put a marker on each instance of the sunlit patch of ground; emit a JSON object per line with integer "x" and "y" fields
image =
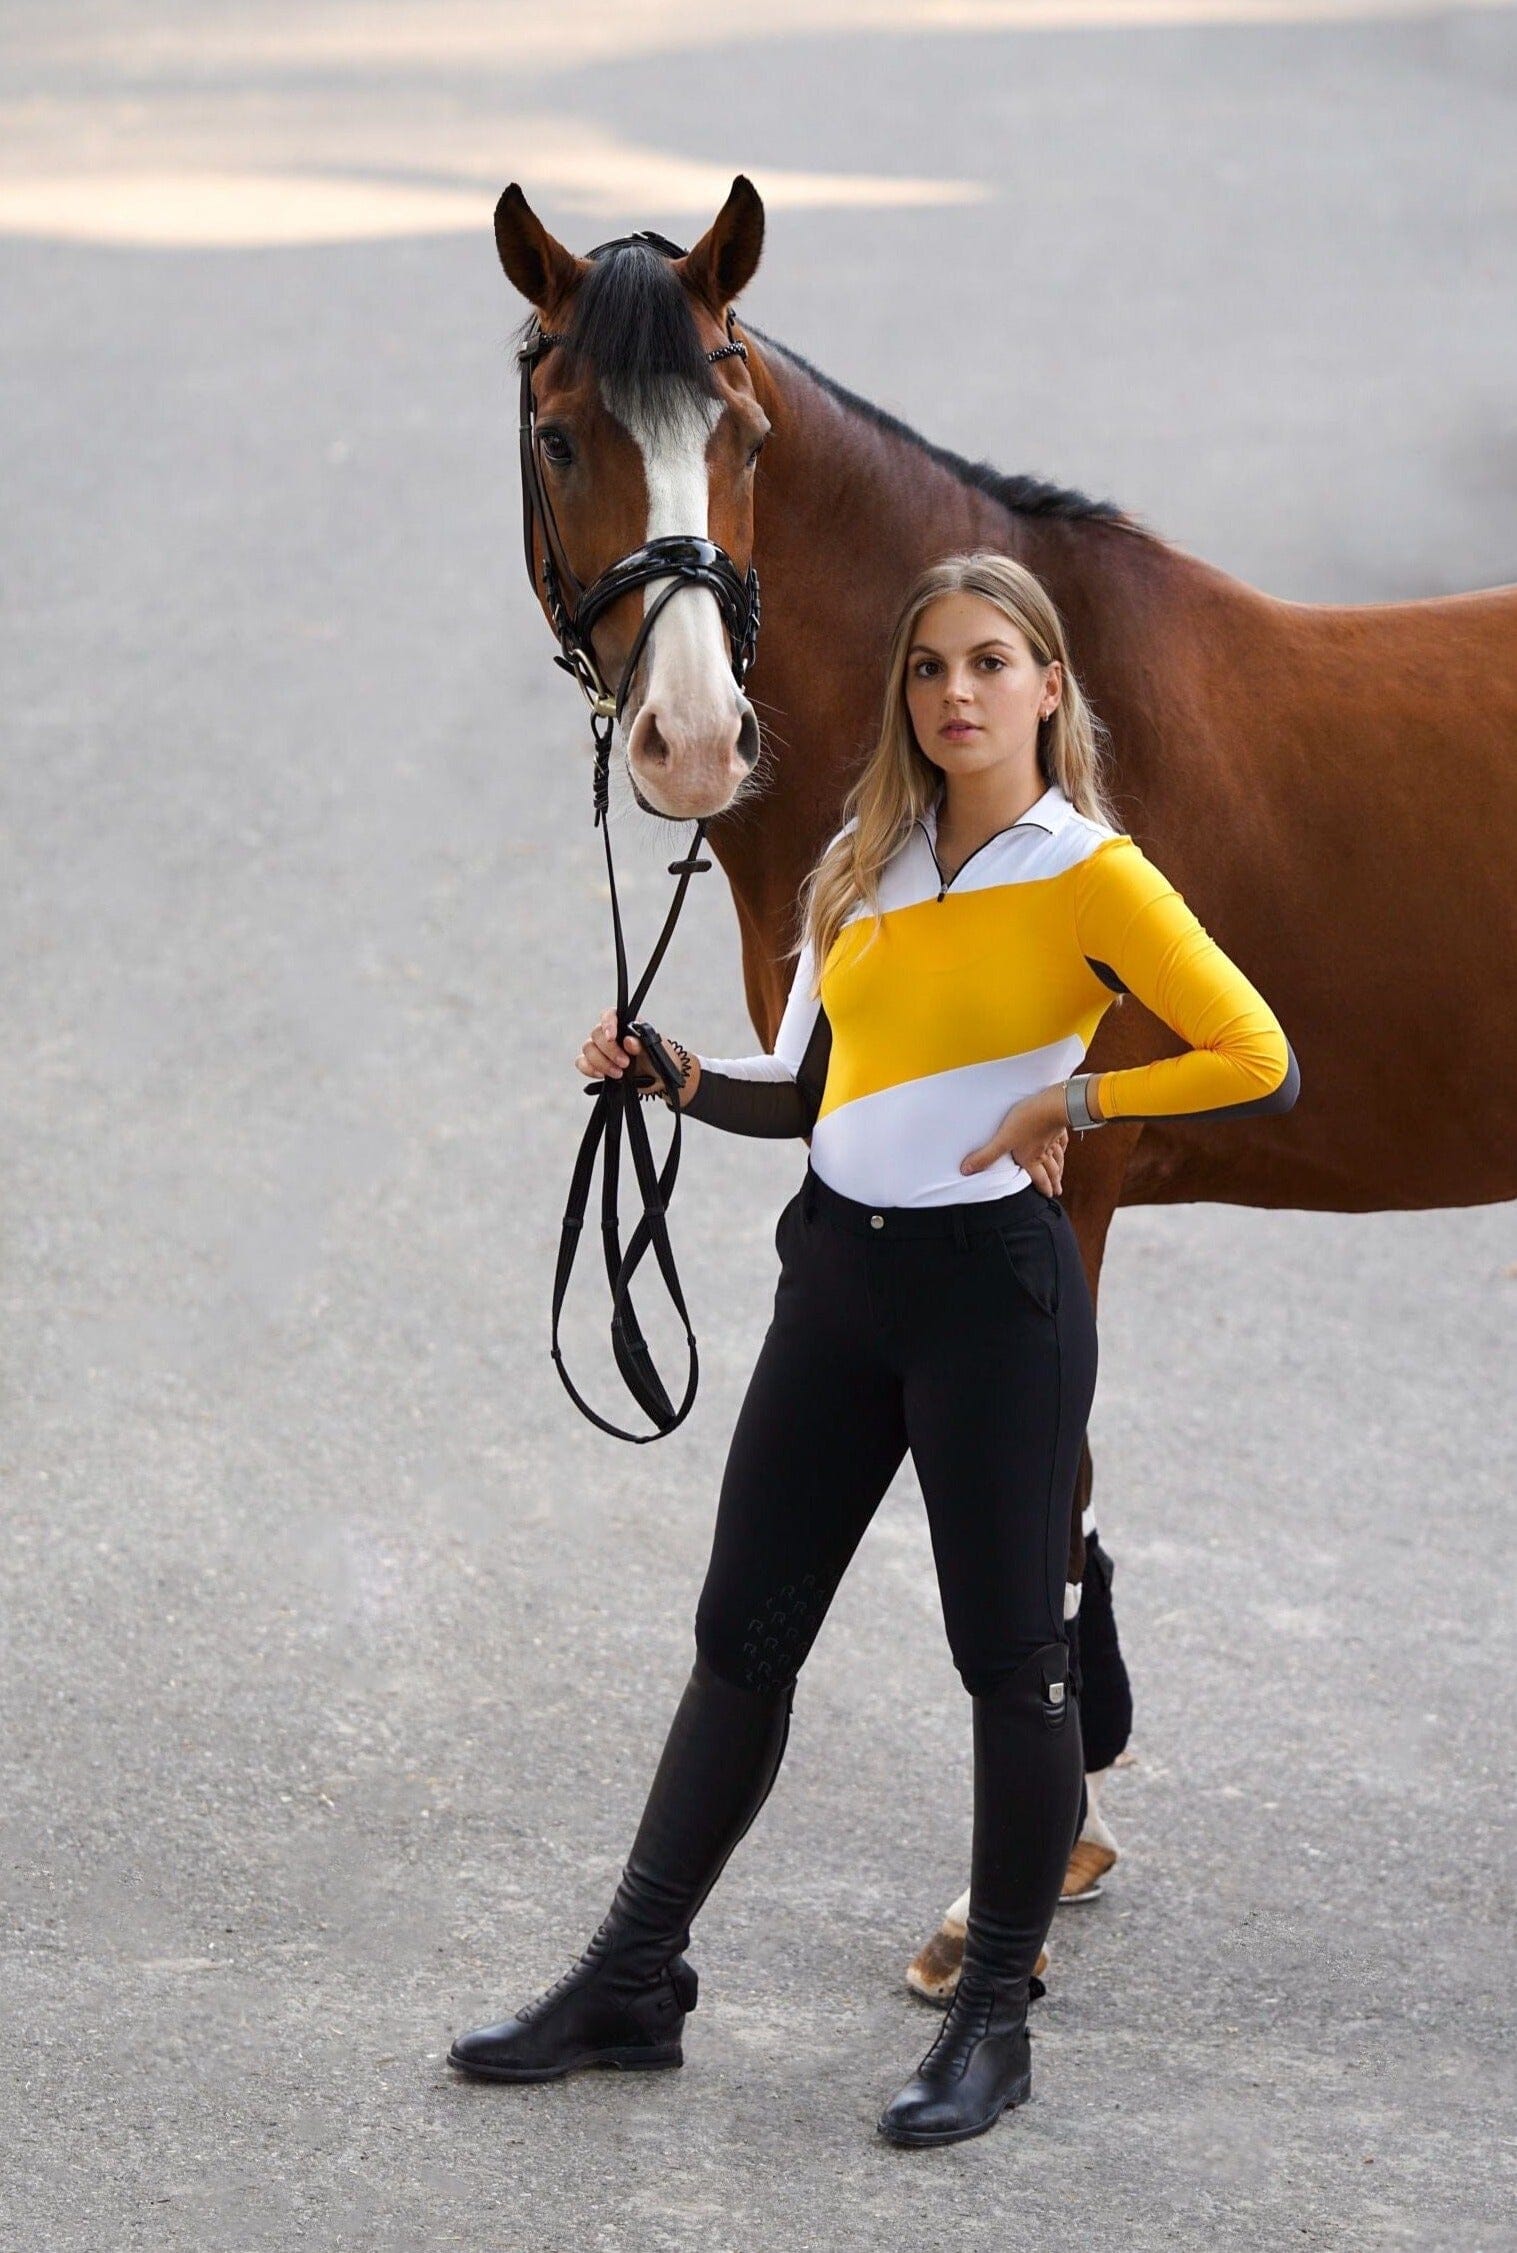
{"x": 237, "y": 210}
{"x": 276, "y": 126}
{"x": 517, "y": 33}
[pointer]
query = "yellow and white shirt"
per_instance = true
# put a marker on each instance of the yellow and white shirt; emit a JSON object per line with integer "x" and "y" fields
{"x": 976, "y": 992}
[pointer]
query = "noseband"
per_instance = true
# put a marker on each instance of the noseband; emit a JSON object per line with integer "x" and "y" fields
{"x": 685, "y": 560}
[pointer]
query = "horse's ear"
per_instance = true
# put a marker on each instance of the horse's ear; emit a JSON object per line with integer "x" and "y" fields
{"x": 726, "y": 258}
{"x": 536, "y": 262}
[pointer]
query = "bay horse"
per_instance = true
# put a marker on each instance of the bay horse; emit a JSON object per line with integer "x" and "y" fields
{"x": 1333, "y": 789}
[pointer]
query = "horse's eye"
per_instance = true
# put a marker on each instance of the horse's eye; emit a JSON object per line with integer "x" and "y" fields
{"x": 754, "y": 452}
{"x": 556, "y": 448}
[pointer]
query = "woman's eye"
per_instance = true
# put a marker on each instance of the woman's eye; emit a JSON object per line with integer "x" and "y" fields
{"x": 998, "y": 662}
{"x": 923, "y": 666}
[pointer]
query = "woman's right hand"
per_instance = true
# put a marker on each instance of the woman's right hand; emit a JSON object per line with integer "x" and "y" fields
{"x": 604, "y": 1057}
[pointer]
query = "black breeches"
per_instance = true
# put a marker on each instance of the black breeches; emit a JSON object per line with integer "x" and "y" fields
{"x": 964, "y": 1332}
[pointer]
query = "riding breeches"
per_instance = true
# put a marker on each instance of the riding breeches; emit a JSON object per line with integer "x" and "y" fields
{"x": 964, "y": 1332}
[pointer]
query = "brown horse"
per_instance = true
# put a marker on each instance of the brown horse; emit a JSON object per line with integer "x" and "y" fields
{"x": 1333, "y": 790}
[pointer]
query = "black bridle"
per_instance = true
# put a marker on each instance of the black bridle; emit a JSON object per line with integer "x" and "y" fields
{"x": 573, "y": 610}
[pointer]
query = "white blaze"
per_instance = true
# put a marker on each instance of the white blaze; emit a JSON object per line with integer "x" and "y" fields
{"x": 687, "y": 672}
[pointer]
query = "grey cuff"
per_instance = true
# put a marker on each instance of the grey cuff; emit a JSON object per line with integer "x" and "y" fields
{"x": 1077, "y": 1105}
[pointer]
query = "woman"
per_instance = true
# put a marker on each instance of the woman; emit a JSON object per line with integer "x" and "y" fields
{"x": 973, "y": 921}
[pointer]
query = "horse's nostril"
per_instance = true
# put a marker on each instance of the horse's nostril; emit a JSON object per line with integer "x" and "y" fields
{"x": 651, "y": 745}
{"x": 747, "y": 745}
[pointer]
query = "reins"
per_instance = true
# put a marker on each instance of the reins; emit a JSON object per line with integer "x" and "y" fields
{"x": 686, "y": 560}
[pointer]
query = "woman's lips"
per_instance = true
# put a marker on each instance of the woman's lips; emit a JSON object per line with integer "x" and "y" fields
{"x": 960, "y": 727}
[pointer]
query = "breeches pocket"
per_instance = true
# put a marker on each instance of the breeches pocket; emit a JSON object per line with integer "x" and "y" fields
{"x": 1032, "y": 1261}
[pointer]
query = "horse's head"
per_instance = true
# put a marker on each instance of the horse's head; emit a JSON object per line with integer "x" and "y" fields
{"x": 640, "y": 436}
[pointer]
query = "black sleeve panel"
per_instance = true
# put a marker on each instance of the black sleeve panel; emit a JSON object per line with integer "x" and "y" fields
{"x": 1282, "y": 1098}
{"x": 773, "y": 1108}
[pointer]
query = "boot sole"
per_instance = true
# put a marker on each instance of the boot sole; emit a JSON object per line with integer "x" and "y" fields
{"x": 1019, "y": 2093}
{"x": 625, "y": 2061}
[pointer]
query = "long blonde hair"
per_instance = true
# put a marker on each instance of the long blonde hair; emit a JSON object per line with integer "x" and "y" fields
{"x": 897, "y": 782}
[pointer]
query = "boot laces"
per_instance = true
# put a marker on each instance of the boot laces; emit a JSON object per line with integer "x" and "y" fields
{"x": 599, "y": 1948}
{"x": 570, "y": 1978}
{"x": 964, "y": 2028}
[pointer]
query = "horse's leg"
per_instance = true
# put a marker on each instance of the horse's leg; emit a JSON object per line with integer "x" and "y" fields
{"x": 1105, "y": 1695}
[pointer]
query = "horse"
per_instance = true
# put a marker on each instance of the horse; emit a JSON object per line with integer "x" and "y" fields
{"x": 1283, "y": 762}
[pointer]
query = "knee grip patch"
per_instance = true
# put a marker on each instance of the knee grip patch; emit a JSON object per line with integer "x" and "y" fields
{"x": 779, "y": 1635}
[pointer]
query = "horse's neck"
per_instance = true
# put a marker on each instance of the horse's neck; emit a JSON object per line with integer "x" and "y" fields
{"x": 848, "y": 514}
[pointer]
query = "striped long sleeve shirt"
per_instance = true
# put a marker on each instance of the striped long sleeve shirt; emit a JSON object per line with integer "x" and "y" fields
{"x": 983, "y": 988}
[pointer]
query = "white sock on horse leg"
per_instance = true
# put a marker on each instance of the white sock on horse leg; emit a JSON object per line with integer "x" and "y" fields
{"x": 1096, "y": 1826}
{"x": 956, "y": 1918}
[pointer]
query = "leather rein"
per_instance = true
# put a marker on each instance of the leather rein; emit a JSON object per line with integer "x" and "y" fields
{"x": 573, "y": 609}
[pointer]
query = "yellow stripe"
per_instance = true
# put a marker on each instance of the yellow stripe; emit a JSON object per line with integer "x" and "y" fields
{"x": 1129, "y": 914}
{"x": 957, "y": 981}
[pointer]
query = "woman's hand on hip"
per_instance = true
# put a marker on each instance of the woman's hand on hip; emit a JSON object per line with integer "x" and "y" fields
{"x": 1034, "y": 1134}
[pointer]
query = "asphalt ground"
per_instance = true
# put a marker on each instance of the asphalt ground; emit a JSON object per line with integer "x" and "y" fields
{"x": 337, "y": 1650}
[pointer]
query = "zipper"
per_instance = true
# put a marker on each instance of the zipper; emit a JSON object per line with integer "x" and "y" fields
{"x": 943, "y": 886}
{"x": 1022, "y": 821}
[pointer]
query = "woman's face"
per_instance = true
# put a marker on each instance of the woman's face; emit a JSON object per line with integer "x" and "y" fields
{"x": 974, "y": 689}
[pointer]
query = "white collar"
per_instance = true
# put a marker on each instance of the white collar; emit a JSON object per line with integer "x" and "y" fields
{"x": 1044, "y": 813}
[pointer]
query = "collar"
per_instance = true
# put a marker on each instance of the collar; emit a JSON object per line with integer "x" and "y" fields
{"x": 1044, "y": 813}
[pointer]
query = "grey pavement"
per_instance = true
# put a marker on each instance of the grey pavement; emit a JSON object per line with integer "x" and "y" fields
{"x": 337, "y": 1650}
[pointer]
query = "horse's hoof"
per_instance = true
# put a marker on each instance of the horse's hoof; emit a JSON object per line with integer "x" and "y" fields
{"x": 1088, "y": 1864}
{"x": 933, "y": 1973}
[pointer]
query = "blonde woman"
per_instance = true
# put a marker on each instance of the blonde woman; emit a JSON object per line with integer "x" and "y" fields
{"x": 961, "y": 938}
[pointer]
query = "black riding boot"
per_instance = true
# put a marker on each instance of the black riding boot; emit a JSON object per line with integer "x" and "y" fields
{"x": 1028, "y": 1770}
{"x": 624, "y": 2002}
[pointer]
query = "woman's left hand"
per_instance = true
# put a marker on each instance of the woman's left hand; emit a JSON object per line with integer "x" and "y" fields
{"x": 1035, "y": 1134}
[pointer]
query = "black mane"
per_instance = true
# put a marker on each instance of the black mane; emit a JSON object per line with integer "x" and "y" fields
{"x": 632, "y": 324}
{"x": 1028, "y": 496}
